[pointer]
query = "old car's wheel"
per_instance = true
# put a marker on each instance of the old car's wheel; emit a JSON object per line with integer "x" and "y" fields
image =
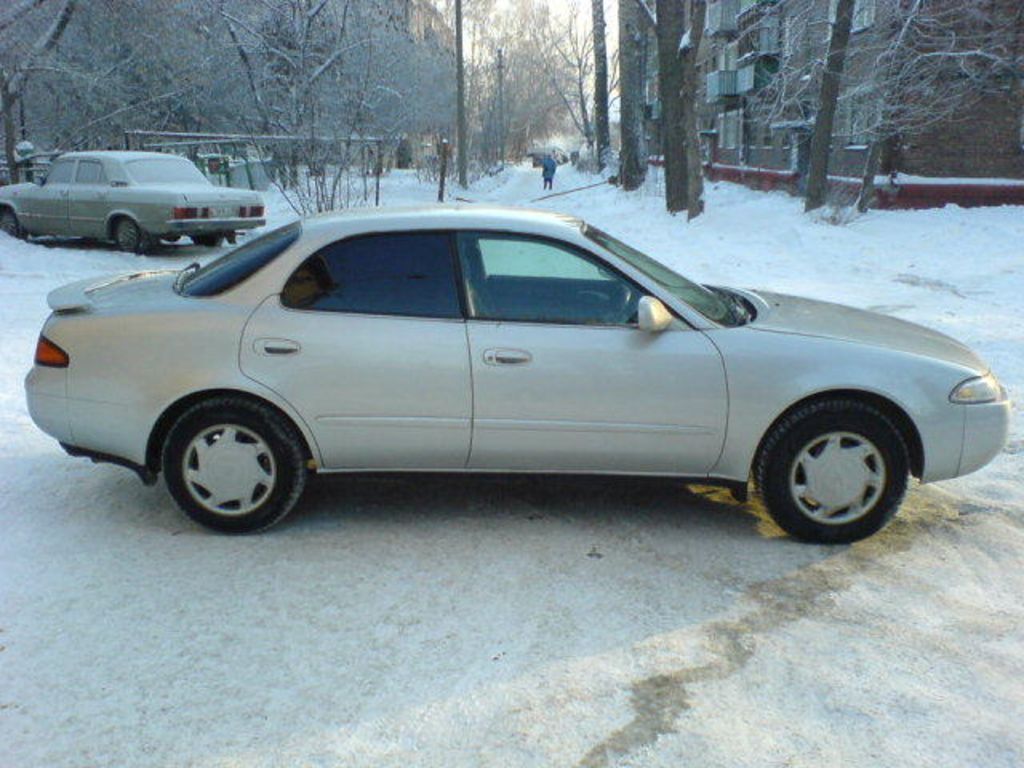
{"x": 171, "y": 238}
{"x": 209, "y": 241}
{"x": 833, "y": 471}
{"x": 234, "y": 465}
{"x": 9, "y": 223}
{"x": 130, "y": 237}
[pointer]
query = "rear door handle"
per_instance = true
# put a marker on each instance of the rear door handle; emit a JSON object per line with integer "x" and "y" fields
{"x": 276, "y": 347}
{"x": 507, "y": 357}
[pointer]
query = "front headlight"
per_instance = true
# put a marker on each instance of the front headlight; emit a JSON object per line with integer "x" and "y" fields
{"x": 981, "y": 389}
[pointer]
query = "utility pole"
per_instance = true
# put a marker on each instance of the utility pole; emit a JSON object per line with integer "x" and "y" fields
{"x": 501, "y": 107}
{"x": 460, "y": 84}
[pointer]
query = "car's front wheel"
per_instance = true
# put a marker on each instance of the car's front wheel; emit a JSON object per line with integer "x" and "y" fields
{"x": 132, "y": 238}
{"x": 833, "y": 471}
{"x": 234, "y": 465}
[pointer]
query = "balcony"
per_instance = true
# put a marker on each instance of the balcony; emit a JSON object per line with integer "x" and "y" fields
{"x": 721, "y": 18}
{"x": 721, "y": 83}
{"x": 745, "y": 79}
{"x": 768, "y": 37}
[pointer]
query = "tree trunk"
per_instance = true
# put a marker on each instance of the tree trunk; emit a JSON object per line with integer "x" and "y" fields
{"x": 7, "y": 102}
{"x": 670, "y": 87}
{"x": 631, "y": 107}
{"x": 694, "y": 169}
{"x": 867, "y": 182}
{"x": 821, "y": 140}
{"x": 600, "y": 83}
{"x": 460, "y": 85}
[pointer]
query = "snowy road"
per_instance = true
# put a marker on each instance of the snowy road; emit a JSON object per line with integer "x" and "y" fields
{"x": 446, "y": 621}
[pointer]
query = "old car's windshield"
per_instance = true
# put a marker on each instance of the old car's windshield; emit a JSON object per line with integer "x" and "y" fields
{"x": 710, "y": 304}
{"x": 173, "y": 170}
{"x": 234, "y": 267}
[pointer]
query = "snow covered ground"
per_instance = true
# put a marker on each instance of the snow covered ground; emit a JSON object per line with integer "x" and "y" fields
{"x": 448, "y": 621}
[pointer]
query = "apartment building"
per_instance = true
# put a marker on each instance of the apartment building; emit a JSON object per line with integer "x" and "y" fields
{"x": 959, "y": 139}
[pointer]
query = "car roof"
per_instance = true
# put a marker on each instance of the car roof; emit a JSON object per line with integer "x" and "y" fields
{"x": 443, "y": 216}
{"x": 119, "y": 155}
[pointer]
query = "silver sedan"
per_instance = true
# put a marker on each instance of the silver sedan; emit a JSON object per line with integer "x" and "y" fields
{"x": 473, "y": 339}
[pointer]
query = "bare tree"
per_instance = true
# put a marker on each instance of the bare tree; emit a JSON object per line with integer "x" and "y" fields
{"x": 688, "y": 48}
{"x": 14, "y": 73}
{"x": 930, "y": 63}
{"x": 632, "y": 29}
{"x": 461, "y": 137}
{"x": 600, "y": 83}
{"x": 670, "y": 29}
{"x": 821, "y": 139}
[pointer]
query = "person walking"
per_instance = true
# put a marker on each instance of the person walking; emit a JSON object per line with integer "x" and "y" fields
{"x": 548, "y": 166}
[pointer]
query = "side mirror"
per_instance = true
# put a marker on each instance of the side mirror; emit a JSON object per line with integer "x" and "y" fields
{"x": 652, "y": 315}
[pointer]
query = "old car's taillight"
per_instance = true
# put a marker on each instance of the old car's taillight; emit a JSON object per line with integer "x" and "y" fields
{"x": 50, "y": 355}
{"x": 185, "y": 213}
{"x": 250, "y": 211}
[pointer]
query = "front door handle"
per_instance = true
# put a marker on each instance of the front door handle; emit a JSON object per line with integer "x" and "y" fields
{"x": 507, "y": 357}
{"x": 276, "y": 347}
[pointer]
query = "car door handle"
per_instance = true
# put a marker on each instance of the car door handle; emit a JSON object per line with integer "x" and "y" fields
{"x": 507, "y": 357}
{"x": 276, "y": 347}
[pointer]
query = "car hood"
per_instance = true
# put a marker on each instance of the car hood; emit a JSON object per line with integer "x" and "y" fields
{"x": 793, "y": 314}
{"x": 127, "y": 291}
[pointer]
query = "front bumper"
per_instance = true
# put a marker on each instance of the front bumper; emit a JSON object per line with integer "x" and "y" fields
{"x": 986, "y": 427}
{"x": 209, "y": 226}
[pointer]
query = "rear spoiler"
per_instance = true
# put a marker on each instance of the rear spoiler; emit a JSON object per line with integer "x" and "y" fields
{"x": 74, "y": 297}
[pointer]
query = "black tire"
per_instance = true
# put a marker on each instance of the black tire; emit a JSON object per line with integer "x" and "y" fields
{"x": 131, "y": 238}
{"x": 208, "y": 241}
{"x": 171, "y": 238}
{"x": 279, "y": 437}
{"x": 777, "y": 464}
{"x": 9, "y": 223}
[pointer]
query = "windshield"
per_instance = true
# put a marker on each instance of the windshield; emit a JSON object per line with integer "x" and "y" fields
{"x": 173, "y": 170}
{"x": 234, "y": 267}
{"x": 710, "y": 304}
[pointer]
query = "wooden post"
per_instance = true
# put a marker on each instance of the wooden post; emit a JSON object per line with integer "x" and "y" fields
{"x": 442, "y": 152}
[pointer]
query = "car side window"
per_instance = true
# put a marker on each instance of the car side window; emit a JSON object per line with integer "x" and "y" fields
{"x": 530, "y": 279}
{"x": 60, "y": 172}
{"x": 90, "y": 172}
{"x": 411, "y": 274}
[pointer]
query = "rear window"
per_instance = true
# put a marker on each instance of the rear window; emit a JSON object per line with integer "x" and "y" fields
{"x": 243, "y": 262}
{"x": 173, "y": 170}
{"x": 410, "y": 274}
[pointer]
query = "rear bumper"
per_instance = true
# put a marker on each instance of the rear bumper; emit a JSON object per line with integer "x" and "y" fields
{"x": 209, "y": 226}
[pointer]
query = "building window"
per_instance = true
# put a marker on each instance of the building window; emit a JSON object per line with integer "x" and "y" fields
{"x": 863, "y": 13}
{"x": 730, "y": 129}
{"x": 854, "y": 120}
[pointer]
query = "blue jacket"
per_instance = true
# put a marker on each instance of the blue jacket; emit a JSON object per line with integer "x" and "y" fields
{"x": 549, "y": 165}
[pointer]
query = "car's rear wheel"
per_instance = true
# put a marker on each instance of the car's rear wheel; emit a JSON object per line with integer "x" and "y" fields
{"x": 131, "y": 238}
{"x": 833, "y": 471}
{"x": 9, "y": 223}
{"x": 209, "y": 241}
{"x": 234, "y": 465}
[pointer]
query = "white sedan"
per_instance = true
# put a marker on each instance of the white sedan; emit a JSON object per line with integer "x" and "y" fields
{"x": 469, "y": 339}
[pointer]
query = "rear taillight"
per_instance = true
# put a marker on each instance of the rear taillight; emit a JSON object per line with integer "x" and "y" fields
{"x": 185, "y": 213}
{"x": 50, "y": 355}
{"x": 250, "y": 211}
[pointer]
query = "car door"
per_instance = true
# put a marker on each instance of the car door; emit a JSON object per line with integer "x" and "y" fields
{"x": 88, "y": 202}
{"x": 45, "y": 210}
{"x": 563, "y": 379}
{"x": 368, "y": 343}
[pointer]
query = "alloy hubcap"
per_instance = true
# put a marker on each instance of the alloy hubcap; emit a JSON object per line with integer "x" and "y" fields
{"x": 837, "y": 478}
{"x": 229, "y": 469}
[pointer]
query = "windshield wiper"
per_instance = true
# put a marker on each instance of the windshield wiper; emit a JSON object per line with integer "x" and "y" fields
{"x": 182, "y": 279}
